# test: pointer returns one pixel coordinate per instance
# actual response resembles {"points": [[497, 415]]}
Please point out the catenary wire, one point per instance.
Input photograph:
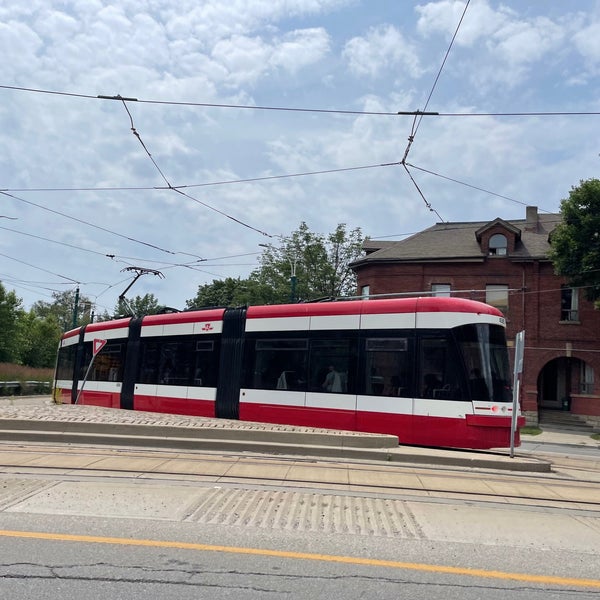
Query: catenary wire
{"points": [[439, 73], [418, 118], [170, 187], [40, 268], [207, 184], [99, 227], [301, 109], [469, 185]]}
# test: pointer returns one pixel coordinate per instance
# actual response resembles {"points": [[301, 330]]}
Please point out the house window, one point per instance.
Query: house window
{"points": [[586, 379], [440, 289], [569, 303], [497, 295], [498, 245], [365, 290]]}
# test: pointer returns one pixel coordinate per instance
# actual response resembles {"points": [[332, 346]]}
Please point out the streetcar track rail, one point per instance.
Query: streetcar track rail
{"points": [[446, 489]]}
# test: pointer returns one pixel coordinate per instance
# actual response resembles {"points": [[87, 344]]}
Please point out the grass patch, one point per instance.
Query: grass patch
{"points": [[14, 378], [595, 436], [530, 430], [12, 372]]}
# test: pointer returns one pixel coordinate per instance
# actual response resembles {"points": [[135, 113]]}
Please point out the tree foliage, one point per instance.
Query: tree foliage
{"points": [[31, 338], [301, 267], [27, 338], [39, 340], [69, 308], [575, 242], [230, 292], [138, 306], [10, 310]]}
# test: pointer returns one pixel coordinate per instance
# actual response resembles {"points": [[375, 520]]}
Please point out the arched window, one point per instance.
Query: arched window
{"points": [[498, 244]]}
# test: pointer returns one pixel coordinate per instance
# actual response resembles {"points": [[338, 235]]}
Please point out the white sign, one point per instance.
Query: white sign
{"points": [[97, 346]]}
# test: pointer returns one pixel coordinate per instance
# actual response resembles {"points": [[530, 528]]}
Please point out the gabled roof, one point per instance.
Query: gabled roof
{"points": [[502, 223], [458, 241]]}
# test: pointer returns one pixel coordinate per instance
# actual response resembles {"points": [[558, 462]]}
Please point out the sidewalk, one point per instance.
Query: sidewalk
{"points": [[38, 419], [555, 435]]}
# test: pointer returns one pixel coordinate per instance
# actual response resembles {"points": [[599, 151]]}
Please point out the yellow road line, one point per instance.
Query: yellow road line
{"points": [[369, 562]]}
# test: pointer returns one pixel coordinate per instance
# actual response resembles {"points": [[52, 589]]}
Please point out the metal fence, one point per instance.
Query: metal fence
{"points": [[24, 388]]}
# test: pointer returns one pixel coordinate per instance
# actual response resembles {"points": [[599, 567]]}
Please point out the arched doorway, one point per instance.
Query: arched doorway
{"points": [[559, 379], [554, 384]]}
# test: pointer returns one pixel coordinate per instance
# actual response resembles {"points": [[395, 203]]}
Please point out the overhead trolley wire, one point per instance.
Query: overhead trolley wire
{"points": [[416, 113], [99, 227], [439, 73], [175, 189], [207, 184], [40, 268], [418, 118]]}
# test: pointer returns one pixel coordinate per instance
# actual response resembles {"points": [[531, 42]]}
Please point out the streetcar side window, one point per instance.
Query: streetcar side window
{"points": [[388, 367], [484, 353], [440, 372], [178, 361], [277, 364], [65, 366], [108, 363], [333, 364], [205, 371]]}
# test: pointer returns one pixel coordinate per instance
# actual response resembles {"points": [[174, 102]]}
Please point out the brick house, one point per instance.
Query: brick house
{"points": [[504, 263]]}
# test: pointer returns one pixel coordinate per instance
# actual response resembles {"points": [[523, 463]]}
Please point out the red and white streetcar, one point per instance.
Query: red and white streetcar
{"points": [[433, 371]]}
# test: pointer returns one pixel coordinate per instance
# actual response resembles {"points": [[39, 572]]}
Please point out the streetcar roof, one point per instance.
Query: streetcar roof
{"points": [[344, 307]]}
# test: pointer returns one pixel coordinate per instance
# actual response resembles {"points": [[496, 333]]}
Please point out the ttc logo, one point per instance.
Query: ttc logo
{"points": [[207, 327]]}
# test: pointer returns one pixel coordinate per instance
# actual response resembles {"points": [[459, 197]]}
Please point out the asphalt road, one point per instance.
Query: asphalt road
{"points": [[225, 530], [141, 559]]}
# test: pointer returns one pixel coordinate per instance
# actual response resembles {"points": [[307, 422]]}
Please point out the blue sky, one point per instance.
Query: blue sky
{"points": [[369, 56]]}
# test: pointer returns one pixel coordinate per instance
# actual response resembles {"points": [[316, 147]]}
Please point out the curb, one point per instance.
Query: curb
{"points": [[256, 441], [201, 434]]}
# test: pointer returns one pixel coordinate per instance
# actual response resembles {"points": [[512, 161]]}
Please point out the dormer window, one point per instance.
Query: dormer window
{"points": [[498, 245]]}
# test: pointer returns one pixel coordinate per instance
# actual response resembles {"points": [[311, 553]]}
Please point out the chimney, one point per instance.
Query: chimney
{"points": [[531, 223]]}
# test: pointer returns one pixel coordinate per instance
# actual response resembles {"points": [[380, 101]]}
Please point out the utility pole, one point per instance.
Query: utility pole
{"points": [[293, 280], [76, 307], [293, 260]]}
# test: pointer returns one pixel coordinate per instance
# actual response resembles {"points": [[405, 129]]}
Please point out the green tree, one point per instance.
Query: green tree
{"points": [[66, 307], [230, 292], [302, 266], [575, 242], [138, 306], [10, 338], [307, 265], [39, 339]]}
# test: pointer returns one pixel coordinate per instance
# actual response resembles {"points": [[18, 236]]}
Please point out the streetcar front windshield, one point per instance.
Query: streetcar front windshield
{"points": [[484, 352]]}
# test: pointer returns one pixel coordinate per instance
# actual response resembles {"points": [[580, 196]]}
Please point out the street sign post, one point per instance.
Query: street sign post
{"points": [[518, 369], [97, 345]]}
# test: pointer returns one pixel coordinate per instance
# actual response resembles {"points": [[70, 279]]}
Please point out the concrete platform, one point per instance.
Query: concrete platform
{"points": [[39, 420]]}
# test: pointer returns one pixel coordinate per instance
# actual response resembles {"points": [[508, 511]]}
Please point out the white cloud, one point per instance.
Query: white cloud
{"points": [[19, 45], [502, 35], [526, 42], [480, 21], [246, 59], [383, 48], [300, 48], [587, 42]]}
